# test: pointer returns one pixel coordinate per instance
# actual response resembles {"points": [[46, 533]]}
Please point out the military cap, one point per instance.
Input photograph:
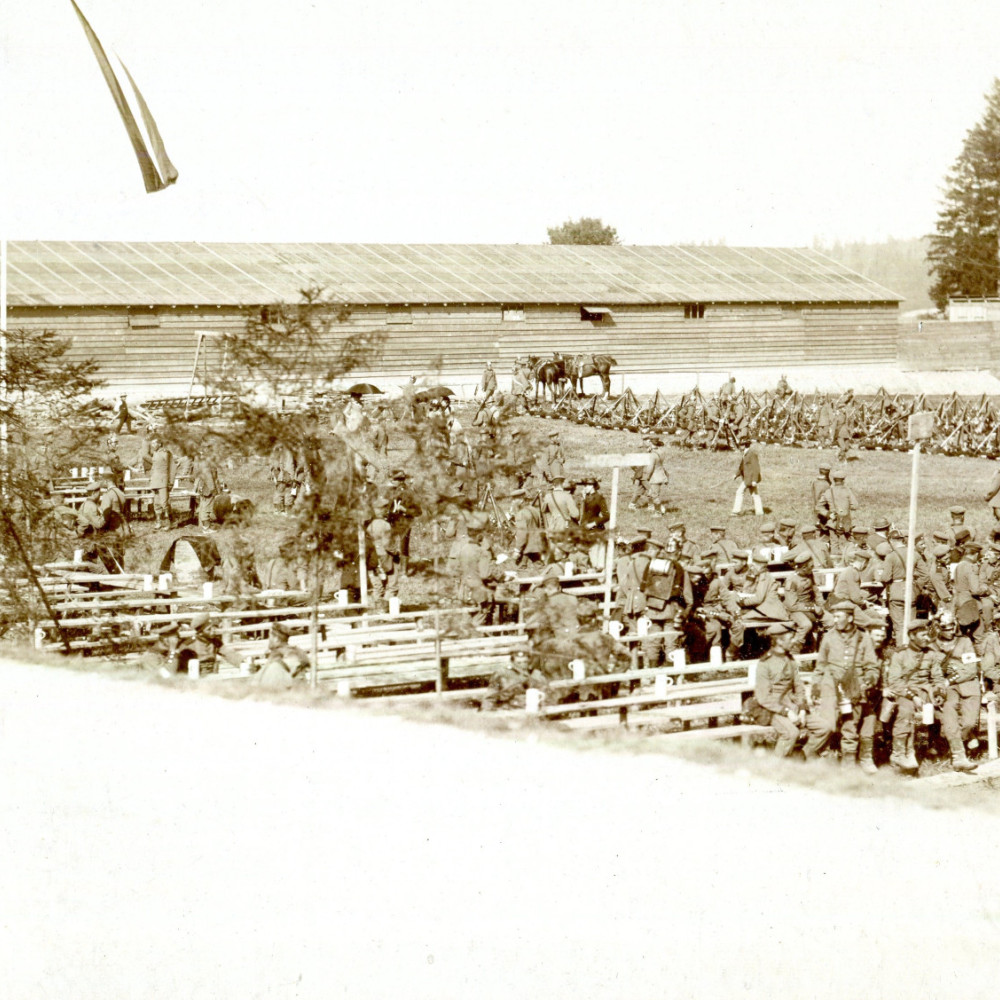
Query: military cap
{"points": [[279, 631], [767, 526], [844, 606], [557, 478], [717, 527], [962, 536], [824, 468], [779, 628], [883, 549], [808, 529], [881, 524], [971, 548], [786, 522], [200, 621], [941, 536], [740, 555], [956, 511], [860, 531], [654, 543], [941, 551], [839, 475], [677, 526], [802, 558], [760, 556], [919, 625], [398, 474]]}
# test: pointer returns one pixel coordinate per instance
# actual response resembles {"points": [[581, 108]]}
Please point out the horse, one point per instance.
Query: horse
{"points": [[548, 374], [582, 366]]}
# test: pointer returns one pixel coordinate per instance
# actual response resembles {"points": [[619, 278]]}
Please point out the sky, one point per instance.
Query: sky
{"points": [[750, 123]]}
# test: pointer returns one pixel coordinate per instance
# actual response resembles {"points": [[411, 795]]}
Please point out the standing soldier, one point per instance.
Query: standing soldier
{"points": [[124, 418], [749, 476], [631, 569], [284, 477], [529, 539], [520, 384], [651, 480], [488, 383], [161, 477], [206, 488], [843, 428], [668, 596], [778, 691], [382, 557], [403, 511], [560, 511], [847, 669], [973, 603], [819, 486], [838, 504], [824, 422], [552, 460], [594, 515]]}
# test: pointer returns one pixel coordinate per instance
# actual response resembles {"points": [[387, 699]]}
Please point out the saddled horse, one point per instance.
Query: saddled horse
{"points": [[582, 366], [548, 374]]}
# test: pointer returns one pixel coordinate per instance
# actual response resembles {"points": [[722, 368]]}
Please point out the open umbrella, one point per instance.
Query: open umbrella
{"points": [[434, 392], [364, 389]]}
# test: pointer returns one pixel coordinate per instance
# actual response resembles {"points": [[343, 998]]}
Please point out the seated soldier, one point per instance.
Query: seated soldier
{"points": [[956, 675], [759, 603], [208, 645], [801, 600], [907, 686], [508, 684], [779, 698]]}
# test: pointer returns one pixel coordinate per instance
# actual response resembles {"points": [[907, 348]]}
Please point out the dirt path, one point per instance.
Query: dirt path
{"points": [[161, 844]]}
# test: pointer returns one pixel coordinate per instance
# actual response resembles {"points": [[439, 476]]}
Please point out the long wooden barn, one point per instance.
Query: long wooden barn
{"points": [[136, 308]]}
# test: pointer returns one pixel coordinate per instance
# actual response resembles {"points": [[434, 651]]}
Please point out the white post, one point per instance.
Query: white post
{"points": [[609, 560], [910, 542]]}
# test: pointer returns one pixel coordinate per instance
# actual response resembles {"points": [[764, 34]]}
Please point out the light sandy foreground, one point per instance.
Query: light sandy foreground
{"points": [[158, 843]]}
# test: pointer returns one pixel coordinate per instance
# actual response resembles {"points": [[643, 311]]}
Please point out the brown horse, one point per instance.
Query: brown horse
{"points": [[548, 374], [582, 366]]}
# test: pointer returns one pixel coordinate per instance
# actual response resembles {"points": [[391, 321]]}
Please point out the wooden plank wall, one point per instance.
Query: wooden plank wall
{"points": [[938, 345], [456, 340]]}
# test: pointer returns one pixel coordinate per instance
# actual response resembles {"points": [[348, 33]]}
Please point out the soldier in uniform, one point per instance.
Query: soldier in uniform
{"points": [[801, 600], [668, 597], [813, 546], [488, 383], [552, 461], [284, 475], [838, 505], [631, 568], [847, 671], [723, 548], [382, 558], [161, 477], [206, 488], [957, 671], [749, 476], [594, 516], [778, 691], [819, 486], [529, 538], [403, 511], [972, 601], [476, 575], [560, 512], [906, 686], [651, 480], [760, 603]]}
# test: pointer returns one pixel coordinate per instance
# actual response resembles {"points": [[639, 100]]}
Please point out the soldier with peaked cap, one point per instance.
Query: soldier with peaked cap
{"points": [[813, 546], [847, 671], [749, 476], [669, 595], [722, 547], [838, 504], [631, 568], [488, 383], [972, 600], [778, 691], [957, 670], [906, 686], [759, 603], [560, 512], [801, 600], [820, 485], [651, 480]]}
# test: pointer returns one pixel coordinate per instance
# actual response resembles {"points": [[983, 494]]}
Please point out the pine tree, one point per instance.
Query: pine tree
{"points": [[963, 255]]}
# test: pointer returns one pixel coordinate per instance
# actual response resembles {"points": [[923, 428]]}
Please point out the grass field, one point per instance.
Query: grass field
{"points": [[700, 493]]}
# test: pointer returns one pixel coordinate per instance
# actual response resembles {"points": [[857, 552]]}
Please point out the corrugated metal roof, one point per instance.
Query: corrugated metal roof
{"points": [[150, 274]]}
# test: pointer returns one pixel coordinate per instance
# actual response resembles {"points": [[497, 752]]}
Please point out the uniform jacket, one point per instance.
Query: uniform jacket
{"points": [[839, 504], [763, 598], [528, 536], [472, 565], [816, 548], [848, 588], [956, 661], [630, 571], [842, 653], [560, 509], [800, 593], [777, 686], [206, 482], [907, 670], [161, 473], [595, 512], [749, 470], [968, 586]]}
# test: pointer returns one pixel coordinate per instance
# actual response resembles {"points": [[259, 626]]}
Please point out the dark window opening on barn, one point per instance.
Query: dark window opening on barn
{"points": [[595, 314], [694, 310], [143, 320]]}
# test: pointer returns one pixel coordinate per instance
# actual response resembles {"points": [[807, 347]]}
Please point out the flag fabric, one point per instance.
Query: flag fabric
{"points": [[157, 170]]}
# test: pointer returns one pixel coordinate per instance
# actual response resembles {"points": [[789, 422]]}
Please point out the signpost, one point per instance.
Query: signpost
{"points": [[920, 427], [616, 463]]}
